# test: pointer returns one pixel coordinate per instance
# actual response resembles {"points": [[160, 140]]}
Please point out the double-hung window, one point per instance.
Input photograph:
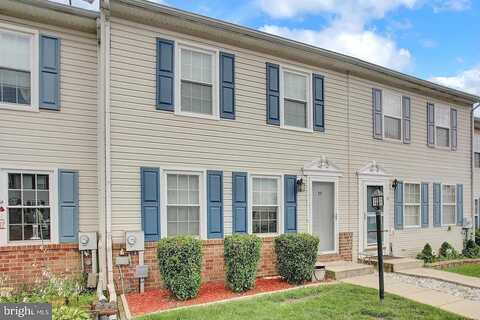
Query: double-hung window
{"points": [[449, 204], [392, 115], [183, 204], [412, 204], [29, 206], [265, 204], [18, 72], [198, 82], [442, 126], [476, 159], [296, 105]]}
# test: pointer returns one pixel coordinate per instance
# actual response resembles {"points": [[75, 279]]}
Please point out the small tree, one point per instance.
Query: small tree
{"points": [[427, 254], [471, 250], [447, 251]]}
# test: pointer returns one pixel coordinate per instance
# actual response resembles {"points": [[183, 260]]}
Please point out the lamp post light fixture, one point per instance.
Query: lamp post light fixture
{"points": [[377, 204]]}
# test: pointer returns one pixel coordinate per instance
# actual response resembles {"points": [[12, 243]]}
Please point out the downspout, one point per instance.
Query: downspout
{"points": [[105, 17], [472, 169]]}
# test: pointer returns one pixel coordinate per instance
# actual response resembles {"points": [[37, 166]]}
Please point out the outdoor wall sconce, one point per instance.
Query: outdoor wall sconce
{"points": [[395, 184], [300, 185]]}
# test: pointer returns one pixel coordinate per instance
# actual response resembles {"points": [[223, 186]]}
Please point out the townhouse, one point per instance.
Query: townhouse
{"points": [[156, 120]]}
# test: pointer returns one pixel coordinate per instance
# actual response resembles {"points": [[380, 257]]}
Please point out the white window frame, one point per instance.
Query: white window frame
{"points": [[405, 204], [384, 92], [53, 178], [280, 222], [449, 128], [202, 183], [34, 65], [215, 54], [454, 204], [309, 113]]}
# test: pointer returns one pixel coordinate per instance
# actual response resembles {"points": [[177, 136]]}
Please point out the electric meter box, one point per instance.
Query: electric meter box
{"points": [[134, 241], [87, 241]]}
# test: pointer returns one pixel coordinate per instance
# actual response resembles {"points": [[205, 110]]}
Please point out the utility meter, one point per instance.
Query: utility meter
{"points": [[134, 241]]}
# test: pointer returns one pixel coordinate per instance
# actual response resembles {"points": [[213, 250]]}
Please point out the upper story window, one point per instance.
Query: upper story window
{"points": [[265, 205], [392, 116], [449, 204], [29, 206], [442, 126], [412, 204], [196, 89], [296, 108]]}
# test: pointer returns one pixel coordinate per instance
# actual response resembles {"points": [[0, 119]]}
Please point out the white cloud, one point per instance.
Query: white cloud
{"points": [[365, 45], [428, 43], [451, 5], [467, 80]]}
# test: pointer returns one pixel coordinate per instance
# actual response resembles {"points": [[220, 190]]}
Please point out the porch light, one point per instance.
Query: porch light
{"points": [[377, 199]]}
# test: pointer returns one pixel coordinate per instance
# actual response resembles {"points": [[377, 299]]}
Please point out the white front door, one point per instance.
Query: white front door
{"points": [[323, 215]]}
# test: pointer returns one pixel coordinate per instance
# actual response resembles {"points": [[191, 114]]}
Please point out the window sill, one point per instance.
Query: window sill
{"points": [[29, 243], [18, 107], [197, 115], [391, 140], [266, 235], [307, 130], [412, 227]]}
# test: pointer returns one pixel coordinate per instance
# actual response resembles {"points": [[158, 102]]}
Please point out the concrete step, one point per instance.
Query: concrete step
{"points": [[345, 269], [392, 264]]}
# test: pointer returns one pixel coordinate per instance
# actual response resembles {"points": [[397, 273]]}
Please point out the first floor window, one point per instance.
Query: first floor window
{"points": [[196, 88], [265, 205], [183, 204], [476, 214], [448, 204], [412, 204], [28, 206], [477, 160], [295, 99], [15, 67], [392, 118]]}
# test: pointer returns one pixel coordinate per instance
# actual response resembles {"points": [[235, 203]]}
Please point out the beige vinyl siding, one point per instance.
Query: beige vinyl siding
{"points": [[143, 136], [64, 139], [476, 171]]}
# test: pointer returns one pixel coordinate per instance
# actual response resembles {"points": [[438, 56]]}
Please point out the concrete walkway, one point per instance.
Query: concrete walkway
{"points": [[458, 305], [451, 277]]}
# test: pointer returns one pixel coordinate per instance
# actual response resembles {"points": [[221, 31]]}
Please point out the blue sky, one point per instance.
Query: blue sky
{"points": [[437, 40]]}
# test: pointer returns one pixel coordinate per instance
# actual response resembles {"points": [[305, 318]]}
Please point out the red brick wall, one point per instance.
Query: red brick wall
{"points": [[21, 265], [213, 264]]}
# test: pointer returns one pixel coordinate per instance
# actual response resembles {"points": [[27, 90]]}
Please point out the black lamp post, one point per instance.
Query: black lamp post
{"points": [[377, 204]]}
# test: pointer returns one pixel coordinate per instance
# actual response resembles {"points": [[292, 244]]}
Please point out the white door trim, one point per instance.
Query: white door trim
{"points": [[331, 179]]}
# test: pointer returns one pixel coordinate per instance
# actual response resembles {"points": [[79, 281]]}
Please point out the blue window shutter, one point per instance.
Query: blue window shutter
{"points": [[214, 204], [227, 85], [290, 204], [398, 206], [273, 94], [430, 124], [49, 85], [437, 203], [165, 74], [459, 204], [424, 203], [239, 202], [377, 113], [453, 129], [406, 119], [150, 202], [318, 103], [68, 205]]}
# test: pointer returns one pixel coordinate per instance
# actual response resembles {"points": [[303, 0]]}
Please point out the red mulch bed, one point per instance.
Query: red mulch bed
{"points": [[160, 299]]}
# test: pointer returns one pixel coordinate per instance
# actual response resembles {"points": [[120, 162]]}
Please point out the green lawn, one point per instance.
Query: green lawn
{"points": [[472, 270], [338, 301]]}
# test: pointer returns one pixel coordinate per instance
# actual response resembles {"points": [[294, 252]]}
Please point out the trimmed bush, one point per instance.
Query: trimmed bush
{"points": [[477, 237], [426, 254], [447, 251], [296, 256], [180, 264], [471, 250], [242, 254]]}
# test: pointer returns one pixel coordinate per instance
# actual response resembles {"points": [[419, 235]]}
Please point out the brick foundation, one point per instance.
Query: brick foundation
{"points": [[213, 264], [24, 265]]}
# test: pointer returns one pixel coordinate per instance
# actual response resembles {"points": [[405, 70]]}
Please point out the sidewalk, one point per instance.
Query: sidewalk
{"points": [[451, 277], [458, 305]]}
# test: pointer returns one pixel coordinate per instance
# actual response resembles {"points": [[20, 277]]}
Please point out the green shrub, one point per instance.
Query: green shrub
{"points": [[471, 250], [242, 254], [427, 254], [447, 251], [296, 256], [69, 313], [180, 264], [477, 237]]}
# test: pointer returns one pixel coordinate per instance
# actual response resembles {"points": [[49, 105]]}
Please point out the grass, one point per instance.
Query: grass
{"points": [[472, 270], [338, 301]]}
